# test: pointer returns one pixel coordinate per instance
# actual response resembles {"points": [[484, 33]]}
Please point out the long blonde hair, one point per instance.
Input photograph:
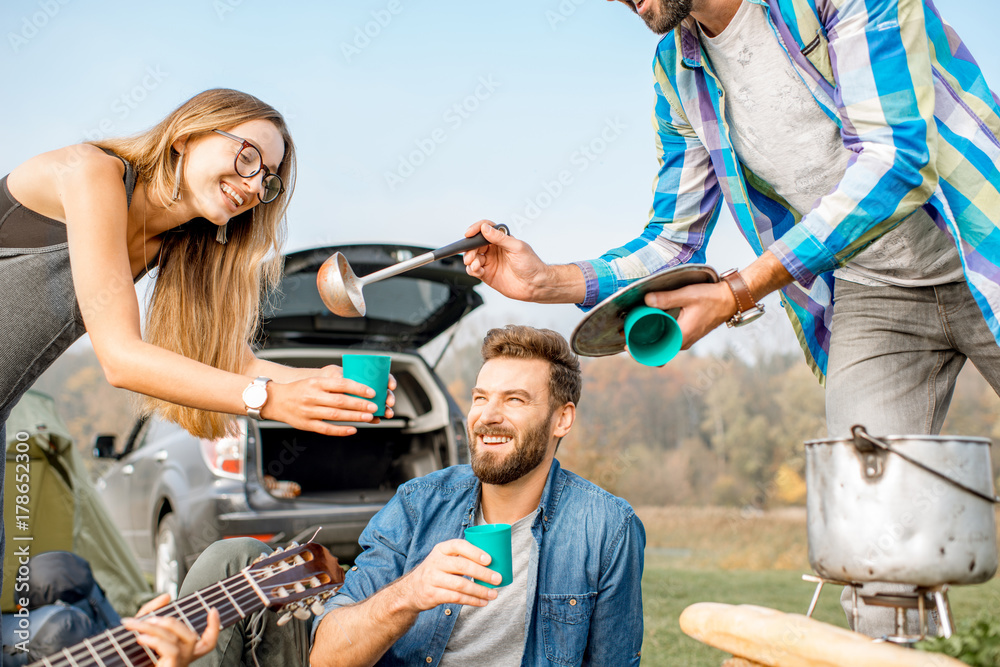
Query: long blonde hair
{"points": [[207, 297]]}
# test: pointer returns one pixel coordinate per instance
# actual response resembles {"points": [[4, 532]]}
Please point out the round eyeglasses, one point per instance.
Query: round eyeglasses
{"points": [[249, 163]]}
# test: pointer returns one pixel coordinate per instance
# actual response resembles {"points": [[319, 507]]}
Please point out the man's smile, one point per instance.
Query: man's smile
{"points": [[494, 440]]}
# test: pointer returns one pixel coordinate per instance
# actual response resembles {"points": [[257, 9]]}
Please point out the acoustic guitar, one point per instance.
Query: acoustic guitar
{"points": [[297, 579]]}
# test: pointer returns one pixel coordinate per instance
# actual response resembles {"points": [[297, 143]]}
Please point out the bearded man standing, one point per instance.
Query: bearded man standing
{"points": [[576, 596], [856, 145]]}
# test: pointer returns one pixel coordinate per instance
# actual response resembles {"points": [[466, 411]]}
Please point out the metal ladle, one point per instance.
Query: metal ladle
{"points": [[340, 289]]}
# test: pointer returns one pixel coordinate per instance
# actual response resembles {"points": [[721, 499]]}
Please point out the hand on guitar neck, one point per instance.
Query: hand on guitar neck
{"points": [[174, 643], [296, 580]]}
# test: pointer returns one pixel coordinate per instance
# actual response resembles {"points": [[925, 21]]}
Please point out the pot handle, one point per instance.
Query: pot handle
{"points": [[862, 436]]}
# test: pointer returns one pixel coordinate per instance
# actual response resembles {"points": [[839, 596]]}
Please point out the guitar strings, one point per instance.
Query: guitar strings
{"points": [[129, 638], [192, 608], [104, 645]]}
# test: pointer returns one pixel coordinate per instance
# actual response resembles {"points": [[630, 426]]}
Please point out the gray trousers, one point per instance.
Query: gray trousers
{"points": [[258, 640], [895, 354], [39, 319]]}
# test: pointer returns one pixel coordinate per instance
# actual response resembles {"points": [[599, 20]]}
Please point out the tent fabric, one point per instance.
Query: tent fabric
{"points": [[64, 512], [66, 605]]}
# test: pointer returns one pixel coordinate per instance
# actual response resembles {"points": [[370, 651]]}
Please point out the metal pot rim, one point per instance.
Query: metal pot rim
{"points": [[971, 440]]}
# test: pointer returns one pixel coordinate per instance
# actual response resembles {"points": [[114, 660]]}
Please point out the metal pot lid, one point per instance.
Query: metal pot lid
{"points": [[601, 331], [872, 449]]}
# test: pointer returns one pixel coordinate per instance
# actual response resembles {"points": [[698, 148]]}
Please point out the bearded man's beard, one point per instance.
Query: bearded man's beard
{"points": [[665, 15], [528, 453]]}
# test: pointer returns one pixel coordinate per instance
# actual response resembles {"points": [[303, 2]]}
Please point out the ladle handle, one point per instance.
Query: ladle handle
{"points": [[477, 241]]}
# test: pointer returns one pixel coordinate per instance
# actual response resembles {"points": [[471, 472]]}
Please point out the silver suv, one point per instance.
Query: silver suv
{"points": [[172, 494]]}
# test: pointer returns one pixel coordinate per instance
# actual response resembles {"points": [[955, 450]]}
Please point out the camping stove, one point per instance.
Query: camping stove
{"points": [[929, 601]]}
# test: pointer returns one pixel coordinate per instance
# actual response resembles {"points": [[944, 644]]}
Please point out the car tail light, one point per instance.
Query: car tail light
{"points": [[260, 537], [226, 456]]}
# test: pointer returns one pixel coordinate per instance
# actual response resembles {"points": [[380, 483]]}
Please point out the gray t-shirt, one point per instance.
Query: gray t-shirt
{"points": [[781, 134], [494, 635]]}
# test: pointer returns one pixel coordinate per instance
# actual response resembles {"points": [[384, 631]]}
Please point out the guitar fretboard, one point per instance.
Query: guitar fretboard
{"points": [[234, 598]]}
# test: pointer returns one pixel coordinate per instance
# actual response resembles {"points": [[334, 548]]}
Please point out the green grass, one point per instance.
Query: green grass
{"points": [[712, 554], [668, 590]]}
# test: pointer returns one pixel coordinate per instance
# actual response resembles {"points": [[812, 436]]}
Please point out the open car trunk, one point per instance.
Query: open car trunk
{"points": [[368, 466]]}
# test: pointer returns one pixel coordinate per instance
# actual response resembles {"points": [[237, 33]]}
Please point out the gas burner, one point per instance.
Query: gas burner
{"points": [[931, 600]]}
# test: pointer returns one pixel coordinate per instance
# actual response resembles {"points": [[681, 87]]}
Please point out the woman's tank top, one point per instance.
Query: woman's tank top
{"points": [[39, 313], [20, 227]]}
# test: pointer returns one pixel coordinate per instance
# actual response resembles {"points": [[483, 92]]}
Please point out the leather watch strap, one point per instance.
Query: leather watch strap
{"points": [[744, 299]]}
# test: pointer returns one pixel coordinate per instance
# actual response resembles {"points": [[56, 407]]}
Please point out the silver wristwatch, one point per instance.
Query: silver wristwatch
{"points": [[255, 396]]}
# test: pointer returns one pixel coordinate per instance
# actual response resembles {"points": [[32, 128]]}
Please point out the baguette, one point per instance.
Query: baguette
{"points": [[777, 639]]}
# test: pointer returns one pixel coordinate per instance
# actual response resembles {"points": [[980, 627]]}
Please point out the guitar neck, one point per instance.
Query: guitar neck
{"points": [[234, 598]]}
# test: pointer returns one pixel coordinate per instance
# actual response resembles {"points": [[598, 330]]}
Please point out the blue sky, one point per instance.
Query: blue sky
{"points": [[411, 119]]}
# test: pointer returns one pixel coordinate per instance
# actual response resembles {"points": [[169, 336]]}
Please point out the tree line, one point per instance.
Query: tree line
{"points": [[717, 429], [710, 430]]}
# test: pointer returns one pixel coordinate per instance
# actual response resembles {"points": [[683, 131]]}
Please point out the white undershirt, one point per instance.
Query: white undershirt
{"points": [[781, 134], [494, 635]]}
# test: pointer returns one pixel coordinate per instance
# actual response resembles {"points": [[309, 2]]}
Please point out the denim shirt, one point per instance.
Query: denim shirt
{"points": [[584, 586]]}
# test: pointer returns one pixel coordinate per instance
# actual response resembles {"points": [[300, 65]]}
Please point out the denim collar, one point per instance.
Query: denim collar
{"points": [[554, 485]]}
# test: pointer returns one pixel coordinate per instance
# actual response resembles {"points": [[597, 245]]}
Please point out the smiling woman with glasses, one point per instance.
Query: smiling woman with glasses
{"points": [[249, 163], [202, 198]]}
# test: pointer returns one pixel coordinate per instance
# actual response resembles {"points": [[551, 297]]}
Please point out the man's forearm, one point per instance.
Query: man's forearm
{"points": [[765, 275], [359, 634], [562, 283]]}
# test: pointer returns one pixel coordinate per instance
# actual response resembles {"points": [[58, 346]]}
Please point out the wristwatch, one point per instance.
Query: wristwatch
{"points": [[747, 310], [255, 396]]}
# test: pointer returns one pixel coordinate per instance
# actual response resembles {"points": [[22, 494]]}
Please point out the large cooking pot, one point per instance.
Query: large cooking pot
{"points": [[904, 509]]}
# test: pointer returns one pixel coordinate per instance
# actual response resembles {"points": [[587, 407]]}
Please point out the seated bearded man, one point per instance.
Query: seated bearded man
{"points": [[411, 598]]}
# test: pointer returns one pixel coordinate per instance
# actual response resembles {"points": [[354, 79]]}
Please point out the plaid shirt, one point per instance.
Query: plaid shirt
{"points": [[912, 106]]}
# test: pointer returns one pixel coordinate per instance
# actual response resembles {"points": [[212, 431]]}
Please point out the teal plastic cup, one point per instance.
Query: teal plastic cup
{"points": [[371, 370], [653, 337], [494, 539]]}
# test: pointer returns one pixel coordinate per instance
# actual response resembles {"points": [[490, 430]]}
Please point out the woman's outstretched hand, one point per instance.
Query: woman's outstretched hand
{"points": [[311, 404]]}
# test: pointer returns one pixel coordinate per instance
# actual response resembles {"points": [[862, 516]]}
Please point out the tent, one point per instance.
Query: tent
{"points": [[50, 504]]}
